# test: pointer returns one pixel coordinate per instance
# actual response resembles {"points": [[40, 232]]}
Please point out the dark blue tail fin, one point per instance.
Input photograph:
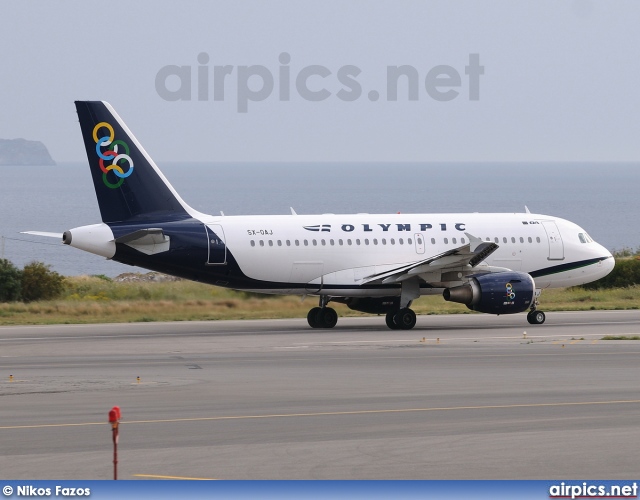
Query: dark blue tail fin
{"points": [[128, 184]]}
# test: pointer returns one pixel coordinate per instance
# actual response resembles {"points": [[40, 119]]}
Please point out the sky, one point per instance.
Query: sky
{"points": [[310, 80]]}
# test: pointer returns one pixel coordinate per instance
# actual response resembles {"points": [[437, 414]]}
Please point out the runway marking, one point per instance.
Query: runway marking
{"points": [[154, 476], [333, 413]]}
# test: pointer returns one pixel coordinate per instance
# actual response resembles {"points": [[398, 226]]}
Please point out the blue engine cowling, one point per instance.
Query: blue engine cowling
{"points": [[495, 293]]}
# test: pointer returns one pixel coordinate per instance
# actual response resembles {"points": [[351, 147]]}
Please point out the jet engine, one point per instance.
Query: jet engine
{"points": [[495, 293]]}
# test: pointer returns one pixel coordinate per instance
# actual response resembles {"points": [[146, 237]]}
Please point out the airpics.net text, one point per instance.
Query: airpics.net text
{"points": [[314, 83]]}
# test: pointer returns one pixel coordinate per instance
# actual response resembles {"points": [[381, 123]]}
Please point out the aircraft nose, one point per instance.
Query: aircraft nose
{"points": [[606, 265]]}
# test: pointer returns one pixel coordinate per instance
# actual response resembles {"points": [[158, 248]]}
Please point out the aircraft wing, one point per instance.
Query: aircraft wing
{"points": [[470, 254]]}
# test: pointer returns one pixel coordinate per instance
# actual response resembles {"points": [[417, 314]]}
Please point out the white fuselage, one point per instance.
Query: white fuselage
{"points": [[334, 253]]}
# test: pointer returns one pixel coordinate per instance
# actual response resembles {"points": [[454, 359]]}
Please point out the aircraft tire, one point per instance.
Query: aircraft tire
{"points": [[313, 317], [536, 317], [405, 319], [327, 317], [391, 322]]}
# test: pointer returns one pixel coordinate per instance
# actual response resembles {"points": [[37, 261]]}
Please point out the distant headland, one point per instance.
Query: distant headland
{"points": [[23, 152]]}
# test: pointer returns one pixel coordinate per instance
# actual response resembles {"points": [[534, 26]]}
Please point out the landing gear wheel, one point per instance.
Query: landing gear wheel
{"points": [[327, 317], [405, 319], [313, 317], [536, 317], [322, 317], [391, 322]]}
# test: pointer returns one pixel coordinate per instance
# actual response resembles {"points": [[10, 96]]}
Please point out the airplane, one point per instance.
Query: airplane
{"points": [[495, 263]]}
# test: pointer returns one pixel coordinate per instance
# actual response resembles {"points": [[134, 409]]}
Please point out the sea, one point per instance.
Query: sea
{"points": [[603, 198]]}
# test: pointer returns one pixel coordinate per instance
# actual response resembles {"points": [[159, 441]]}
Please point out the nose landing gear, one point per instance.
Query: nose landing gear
{"points": [[534, 316]]}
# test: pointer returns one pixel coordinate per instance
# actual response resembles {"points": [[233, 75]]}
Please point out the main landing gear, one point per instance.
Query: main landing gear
{"points": [[534, 316], [323, 316], [404, 319]]}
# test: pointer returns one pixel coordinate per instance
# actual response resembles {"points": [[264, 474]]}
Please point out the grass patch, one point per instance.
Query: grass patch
{"points": [[621, 337]]}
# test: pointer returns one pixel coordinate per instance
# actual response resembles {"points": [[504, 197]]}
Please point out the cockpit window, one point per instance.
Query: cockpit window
{"points": [[584, 238]]}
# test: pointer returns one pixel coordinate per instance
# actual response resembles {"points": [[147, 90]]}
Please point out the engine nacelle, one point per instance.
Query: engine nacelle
{"points": [[495, 293]]}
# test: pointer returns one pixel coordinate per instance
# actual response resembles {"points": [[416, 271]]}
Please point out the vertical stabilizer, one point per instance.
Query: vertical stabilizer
{"points": [[128, 184]]}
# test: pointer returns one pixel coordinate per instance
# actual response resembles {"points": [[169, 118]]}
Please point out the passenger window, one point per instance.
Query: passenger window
{"points": [[323, 242], [496, 240], [446, 241], [288, 243], [349, 242], [261, 243], [504, 239], [279, 243], [270, 243], [400, 241], [538, 239], [462, 241], [306, 243], [409, 242], [419, 240], [433, 241], [521, 239], [297, 243], [315, 243], [340, 242], [357, 241], [530, 240], [253, 243], [392, 241], [331, 242], [513, 240], [454, 241], [375, 241], [366, 241], [384, 241]]}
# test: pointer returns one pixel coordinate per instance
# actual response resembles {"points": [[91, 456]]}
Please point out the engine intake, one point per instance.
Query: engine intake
{"points": [[495, 293]]}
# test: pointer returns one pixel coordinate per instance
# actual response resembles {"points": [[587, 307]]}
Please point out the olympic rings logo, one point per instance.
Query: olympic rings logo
{"points": [[112, 153], [510, 293]]}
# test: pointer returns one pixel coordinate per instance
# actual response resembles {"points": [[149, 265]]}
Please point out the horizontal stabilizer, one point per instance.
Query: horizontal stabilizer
{"points": [[43, 233], [148, 241]]}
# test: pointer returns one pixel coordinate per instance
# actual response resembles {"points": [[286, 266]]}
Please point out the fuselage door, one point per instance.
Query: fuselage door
{"points": [[556, 246], [419, 243], [217, 245]]}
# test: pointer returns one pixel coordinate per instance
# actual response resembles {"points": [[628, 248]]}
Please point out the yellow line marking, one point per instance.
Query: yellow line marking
{"points": [[595, 341], [575, 341], [153, 476], [333, 413]]}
